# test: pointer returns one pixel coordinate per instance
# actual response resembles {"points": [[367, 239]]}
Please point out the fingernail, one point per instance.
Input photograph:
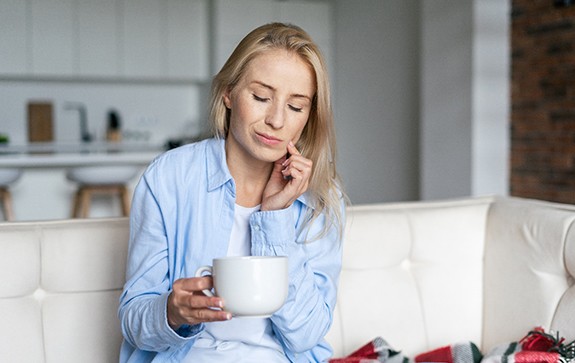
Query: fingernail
{"points": [[228, 316], [291, 143]]}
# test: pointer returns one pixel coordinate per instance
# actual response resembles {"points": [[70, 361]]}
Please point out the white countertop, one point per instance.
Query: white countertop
{"points": [[56, 155]]}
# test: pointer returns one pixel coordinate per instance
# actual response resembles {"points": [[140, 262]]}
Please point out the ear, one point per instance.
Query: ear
{"points": [[227, 99]]}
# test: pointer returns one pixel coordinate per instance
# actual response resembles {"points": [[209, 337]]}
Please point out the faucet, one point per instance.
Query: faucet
{"points": [[81, 108]]}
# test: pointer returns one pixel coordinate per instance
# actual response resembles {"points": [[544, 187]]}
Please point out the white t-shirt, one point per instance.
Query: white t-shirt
{"points": [[239, 340]]}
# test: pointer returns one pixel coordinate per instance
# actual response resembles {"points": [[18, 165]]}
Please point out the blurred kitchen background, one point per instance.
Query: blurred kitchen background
{"points": [[421, 88]]}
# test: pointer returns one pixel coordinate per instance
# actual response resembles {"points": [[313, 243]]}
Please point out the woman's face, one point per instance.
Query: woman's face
{"points": [[270, 105]]}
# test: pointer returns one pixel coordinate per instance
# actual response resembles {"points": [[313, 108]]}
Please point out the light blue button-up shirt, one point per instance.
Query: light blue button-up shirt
{"points": [[181, 218]]}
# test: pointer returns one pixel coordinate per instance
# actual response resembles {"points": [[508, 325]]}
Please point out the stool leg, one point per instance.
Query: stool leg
{"points": [[2, 192], [7, 204], [125, 200], [85, 195], [76, 205]]}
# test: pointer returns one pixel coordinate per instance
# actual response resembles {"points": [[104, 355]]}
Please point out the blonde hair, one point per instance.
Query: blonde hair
{"points": [[317, 141]]}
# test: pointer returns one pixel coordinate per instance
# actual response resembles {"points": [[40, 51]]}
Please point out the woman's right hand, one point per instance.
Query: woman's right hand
{"points": [[187, 304]]}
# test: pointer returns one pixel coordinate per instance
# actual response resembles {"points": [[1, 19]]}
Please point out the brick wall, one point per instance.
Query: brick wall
{"points": [[543, 100]]}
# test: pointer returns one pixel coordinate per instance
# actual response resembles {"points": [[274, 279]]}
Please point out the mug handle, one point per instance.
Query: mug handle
{"points": [[200, 273]]}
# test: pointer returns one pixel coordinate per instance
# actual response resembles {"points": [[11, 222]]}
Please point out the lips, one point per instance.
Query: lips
{"points": [[268, 139]]}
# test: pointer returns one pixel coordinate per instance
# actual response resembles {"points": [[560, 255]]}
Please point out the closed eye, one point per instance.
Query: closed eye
{"points": [[259, 99], [296, 109]]}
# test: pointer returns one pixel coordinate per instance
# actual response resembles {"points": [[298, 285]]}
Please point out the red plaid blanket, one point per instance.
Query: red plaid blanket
{"points": [[536, 347]]}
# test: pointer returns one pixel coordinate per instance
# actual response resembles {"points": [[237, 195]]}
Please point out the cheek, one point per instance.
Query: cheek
{"points": [[238, 115], [301, 124], [245, 111]]}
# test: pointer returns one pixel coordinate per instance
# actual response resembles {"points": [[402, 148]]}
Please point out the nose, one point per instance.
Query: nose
{"points": [[275, 116]]}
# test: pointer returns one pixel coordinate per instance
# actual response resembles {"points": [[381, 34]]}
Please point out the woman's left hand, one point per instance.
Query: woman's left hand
{"points": [[289, 179]]}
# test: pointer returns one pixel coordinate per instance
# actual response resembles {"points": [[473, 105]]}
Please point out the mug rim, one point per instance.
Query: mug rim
{"points": [[249, 258]]}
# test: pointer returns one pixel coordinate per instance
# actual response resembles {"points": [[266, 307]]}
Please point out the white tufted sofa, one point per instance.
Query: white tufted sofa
{"points": [[428, 274], [420, 275]]}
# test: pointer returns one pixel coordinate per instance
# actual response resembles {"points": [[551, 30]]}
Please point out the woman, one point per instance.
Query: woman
{"points": [[266, 184]]}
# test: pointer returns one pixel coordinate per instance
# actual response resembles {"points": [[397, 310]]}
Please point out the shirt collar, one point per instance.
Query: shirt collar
{"points": [[217, 167]]}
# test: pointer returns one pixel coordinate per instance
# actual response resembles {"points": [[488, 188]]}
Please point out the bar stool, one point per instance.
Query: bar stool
{"points": [[107, 180], [7, 177]]}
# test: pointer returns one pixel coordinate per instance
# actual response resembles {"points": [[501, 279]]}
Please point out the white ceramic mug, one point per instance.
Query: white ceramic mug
{"points": [[251, 286]]}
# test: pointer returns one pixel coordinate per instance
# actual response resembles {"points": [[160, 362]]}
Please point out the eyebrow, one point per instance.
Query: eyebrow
{"points": [[265, 85]]}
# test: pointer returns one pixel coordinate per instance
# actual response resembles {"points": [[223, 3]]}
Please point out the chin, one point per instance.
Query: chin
{"points": [[271, 156]]}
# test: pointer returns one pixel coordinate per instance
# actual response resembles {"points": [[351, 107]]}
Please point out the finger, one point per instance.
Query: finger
{"points": [[197, 301], [300, 163], [195, 308], [205, 315], [300, 168], [294, 176], [185, 301], [195, 316], [296, 186], [192, 284], [189, 293], [292, 149]]}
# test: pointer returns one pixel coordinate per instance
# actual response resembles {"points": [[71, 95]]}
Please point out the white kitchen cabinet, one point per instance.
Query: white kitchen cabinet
{"points": [[233, 19], [13, 37], [98, 38], [187, 39], [109, 39], [53, 33], [142, 35], [316, 18], [165, 39]]}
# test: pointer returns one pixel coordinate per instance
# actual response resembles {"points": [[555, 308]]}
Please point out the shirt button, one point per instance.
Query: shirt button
{"points": [[224, 346], [257, 227]]}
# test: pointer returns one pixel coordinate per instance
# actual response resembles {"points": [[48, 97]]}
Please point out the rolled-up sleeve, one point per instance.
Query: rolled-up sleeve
{"points": [[314, 268], [142, 311]]}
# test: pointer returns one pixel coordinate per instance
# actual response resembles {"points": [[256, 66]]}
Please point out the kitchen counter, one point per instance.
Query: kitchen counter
{"points": [[54, 155], [44, 192]]}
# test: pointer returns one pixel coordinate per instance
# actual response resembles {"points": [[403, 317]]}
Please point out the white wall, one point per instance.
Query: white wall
{"points": [[446, 98], [491, 97], [421, 97], [376, 98], [464, 98]]}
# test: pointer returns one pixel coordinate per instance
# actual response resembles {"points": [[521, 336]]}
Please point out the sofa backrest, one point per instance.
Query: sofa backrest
{"points": [[427, 274], [61, 281], [419, 274], [412, 274], [529, 270]]}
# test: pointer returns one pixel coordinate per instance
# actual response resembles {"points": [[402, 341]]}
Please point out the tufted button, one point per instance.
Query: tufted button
{"points": [[405, 264], [39, 294]]}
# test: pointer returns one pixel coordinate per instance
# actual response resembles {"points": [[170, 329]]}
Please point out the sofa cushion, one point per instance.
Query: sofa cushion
{"points": [[85, 323], [19, 262], [84, 258], [564, 318], [528, 270], [21, 330], [412, 273], [61, 296]]}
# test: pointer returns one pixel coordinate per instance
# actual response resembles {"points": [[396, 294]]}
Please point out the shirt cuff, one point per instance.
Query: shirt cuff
{"points": [[272, 231], [184, 333]]}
